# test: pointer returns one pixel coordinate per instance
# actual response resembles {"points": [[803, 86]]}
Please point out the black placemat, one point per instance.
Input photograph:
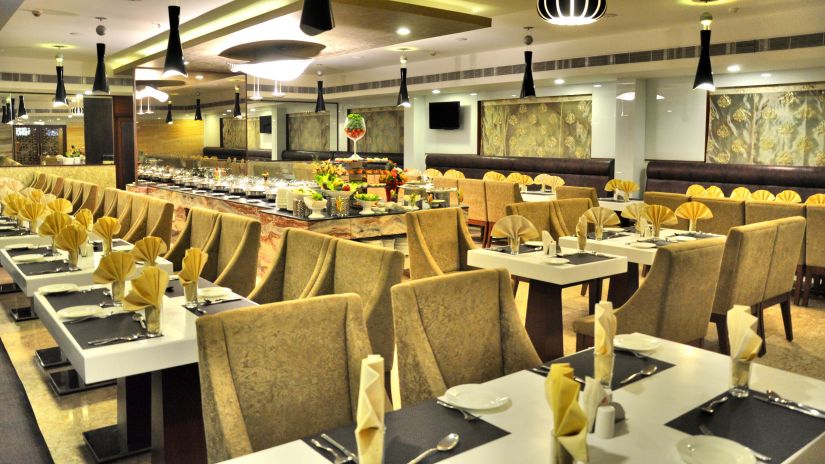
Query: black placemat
{"points": [[585, 258], [697, 235], [624, 365], [43, 251], [119, 325], [414, 429], [36, 268], [769, 429], [218, 308], [607, 235], [14, 233], [521, 249], [60, 301]]}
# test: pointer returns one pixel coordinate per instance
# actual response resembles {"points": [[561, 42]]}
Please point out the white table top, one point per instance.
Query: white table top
{"points": [[622, 246], [533, 266], [538, 196], [698, 375], [617, 206]]}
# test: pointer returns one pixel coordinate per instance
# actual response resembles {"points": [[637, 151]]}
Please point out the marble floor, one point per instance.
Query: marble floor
{"points": [[63, 419]]}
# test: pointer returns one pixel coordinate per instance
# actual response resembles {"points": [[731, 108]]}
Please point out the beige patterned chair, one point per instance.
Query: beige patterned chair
{"points": [[303, 268], [499, 195], [566, 192], [260, 369], [537, 212], [200, 224], [814, 248], [727, 213], [744, 273], [475, 197], [90, 196], [40, 181], [445, 182], [56, 186], [760, 211], [438, 242], [672, 201], [457, 329], [150, 217], [675, 300], [123, 212], [107, 205], [233, 253]]}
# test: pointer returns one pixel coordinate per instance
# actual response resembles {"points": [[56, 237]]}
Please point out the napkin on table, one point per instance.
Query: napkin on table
{"points": [[592, 397], [744, 341], [658, 216], [633, 211], [12, 203], [514, 226], [53, 224], [604, 331], [569, 421], [60, 205], [581, 233], [693, 211], [601, 217], [548, 245], [695, 190], [32, 211], [84, 217], [148, 289], [148, 249], [35, 195], [369, 429], [48, 198], [193, 262], [762, 195], [106, 228], [116, 267], [554, 182], [816, 199], [788, 196], [71, 238], [544, 180]]}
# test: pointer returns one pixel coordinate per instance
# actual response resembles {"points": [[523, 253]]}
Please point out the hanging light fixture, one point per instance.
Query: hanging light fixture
{"points": [[319, 101], [60, 91], [256, 89], [316, 17], [528, 86], [403, 94], [101, 85], [21, 108], [169, 112], [571, 12], [236, 111], [276, 90], [13, 114], [198, 115], [140, 107], [174, 65], [704, 72]]}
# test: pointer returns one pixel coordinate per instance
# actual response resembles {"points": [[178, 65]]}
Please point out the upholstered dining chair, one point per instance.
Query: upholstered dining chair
{"points": [[475, 197], [259, 372], [107, 206], [123, 212], [672, 201], [499, 194], [89, 196], [198, 229], [68, 189], [56, 187], [40, 181], [150, 216], [566, 192], [743, 274], [559, 217], [233, 253], [814, 248], [457, 329], [727, 213], [674, 302], [438, 242], [302, 268], [768, 210], [445, 182]]}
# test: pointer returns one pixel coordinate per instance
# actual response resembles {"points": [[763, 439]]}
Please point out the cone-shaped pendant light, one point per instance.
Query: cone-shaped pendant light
{"points": [[319, 102], [403, 94], [21, 109], [236, 111], [13, 112], [316, 17], [9, 113], [174, 64], [198, 115], [5, 118], [60, 89], [169, 112], [704, 72], [101, 85], [528, 87]]}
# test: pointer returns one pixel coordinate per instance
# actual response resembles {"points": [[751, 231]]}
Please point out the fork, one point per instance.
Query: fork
{"points": [[335, 455], [467, 415]]}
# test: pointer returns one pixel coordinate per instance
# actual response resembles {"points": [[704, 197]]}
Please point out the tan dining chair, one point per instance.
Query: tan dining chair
{"points": [[672, 201], [150, 217], [233, 253], [743, 275], [302, 268], [726, 212], [566, 192], [457, 329], [445, 182], [68, 189], [499, 194], [89, 196], [40, 181], [123, 212], [814, 249], [768, 210], [438, 242], [107, 206], [198, 229], [259, 372], [674, 302], [475, 197]]}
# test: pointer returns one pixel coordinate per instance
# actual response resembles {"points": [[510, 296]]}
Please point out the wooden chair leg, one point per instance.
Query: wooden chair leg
{"points": [[758, 311], [808, 282], [786, 318], [722, 331], [584, 289], [516, 281], [645, 270], [797, 287]]}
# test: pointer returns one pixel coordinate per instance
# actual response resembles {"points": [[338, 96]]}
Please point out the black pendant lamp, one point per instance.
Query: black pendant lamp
{"points": [[236, 111], [198, 115], [5, 118], [403, 94], [316, 17], [174, 64], [101, 85], [704, 72], [319, 102], [528, 86], [21, 109], [9, 113], [169, 112], [13, 114], [60, 91], [571, 12]]}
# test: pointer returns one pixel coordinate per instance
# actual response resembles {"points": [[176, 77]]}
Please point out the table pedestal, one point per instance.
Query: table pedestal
{"points": [[68, 381], [623, 286], [49, 358], [22, 314], [132, 434], [177, 417]]}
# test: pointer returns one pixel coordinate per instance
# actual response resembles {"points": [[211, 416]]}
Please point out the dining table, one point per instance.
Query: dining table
{"points": [[11, 236], [660, 411], [548, 278]]}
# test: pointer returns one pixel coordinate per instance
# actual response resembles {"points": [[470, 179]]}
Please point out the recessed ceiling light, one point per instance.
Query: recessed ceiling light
{"points": [[199, 77], [766, 74], [403, 31], [473, 94], [559, 81], [734, 68], [669, 111], [627, 96], [436, 91], [597, 86], [229, 110]]}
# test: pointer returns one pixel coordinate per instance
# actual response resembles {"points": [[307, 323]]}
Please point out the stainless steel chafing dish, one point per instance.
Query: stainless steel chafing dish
{"points": [[237, 189], [271, 195], [204, 184], [255, 191], [220, 187]]}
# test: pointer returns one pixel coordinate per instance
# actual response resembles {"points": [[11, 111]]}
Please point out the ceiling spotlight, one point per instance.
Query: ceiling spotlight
{"points": [[597, 86], [571, 12], [626, 96], [436, 91], [403, 31], [473, 94], [559, 81], [734, 68]]}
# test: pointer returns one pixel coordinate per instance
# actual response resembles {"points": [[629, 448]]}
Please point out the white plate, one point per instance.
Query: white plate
{"points": [[701, 449], [613, 229], [474, 396], [682, 238], [636, 342], [76, 312], [32, 258], [7, 227], [57, 288], [643, 245], [122, 248], [21, 246], [557, 261], [213, 292], [534, 243]]}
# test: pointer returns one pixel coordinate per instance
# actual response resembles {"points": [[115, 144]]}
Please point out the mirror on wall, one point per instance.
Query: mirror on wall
{"points": [[276, 125]]}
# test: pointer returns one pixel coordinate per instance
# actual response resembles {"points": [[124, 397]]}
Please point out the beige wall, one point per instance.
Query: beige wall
{"points": [[103, 175], [184, 137], [75, 136]]}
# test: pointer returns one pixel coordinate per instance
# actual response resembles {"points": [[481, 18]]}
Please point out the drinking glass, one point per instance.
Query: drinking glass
{"points": [[740, 373], [190, 294], [118, 291], [515, 244], [152, 320]]}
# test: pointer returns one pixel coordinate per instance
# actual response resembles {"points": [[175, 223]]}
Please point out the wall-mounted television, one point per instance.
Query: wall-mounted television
{"points": [[266, 124], [445, 115]]}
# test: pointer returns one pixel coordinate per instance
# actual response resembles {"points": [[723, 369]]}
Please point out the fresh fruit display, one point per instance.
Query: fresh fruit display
{"points": [[355, 128]]}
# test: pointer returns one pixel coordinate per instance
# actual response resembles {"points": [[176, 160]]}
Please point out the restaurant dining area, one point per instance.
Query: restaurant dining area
{"points": [[412, 231]]}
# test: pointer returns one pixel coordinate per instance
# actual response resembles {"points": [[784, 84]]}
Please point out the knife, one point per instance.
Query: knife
{"points": [[792, 407], [340, 447], [219, 301]]}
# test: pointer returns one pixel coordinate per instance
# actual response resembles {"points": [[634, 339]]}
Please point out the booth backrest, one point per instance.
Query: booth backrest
{"points": [[583, 173], [224, 153]]}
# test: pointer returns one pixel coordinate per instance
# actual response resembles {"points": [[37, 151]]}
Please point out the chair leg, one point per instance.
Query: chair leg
{"points": [[758, 311], [722, 331], [583, 342], [645, 270], [786, 318], [516, 281], [797, 287], [807, 284], [584, 288]]}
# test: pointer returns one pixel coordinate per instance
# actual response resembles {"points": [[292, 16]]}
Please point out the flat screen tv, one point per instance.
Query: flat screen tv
{"points": [[266, 124], [445, 115]]}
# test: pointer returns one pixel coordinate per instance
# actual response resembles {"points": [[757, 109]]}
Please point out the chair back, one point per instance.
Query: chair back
{"points": [[672, 201], [566, 192], [475, 197], [790, 238], [745, 263], [198, 229], [57, 186], [159, 217], [438, 241], [124, 212], [40, 181], [727, 213], [236, 253], [499, 195], [815, 229], [760, 211], [457, 329], [108, 206], [537, 212], [565, 214], [90, 196], [445, 182], [259, 371]]}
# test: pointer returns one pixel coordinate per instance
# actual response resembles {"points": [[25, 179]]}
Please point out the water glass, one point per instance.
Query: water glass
{"points": [[118, 292], [515, 244], [152, 320], [740, 373], [190, 294]]}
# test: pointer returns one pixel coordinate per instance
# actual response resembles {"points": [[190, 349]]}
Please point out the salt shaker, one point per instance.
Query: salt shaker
{"points": [[605, 421]]}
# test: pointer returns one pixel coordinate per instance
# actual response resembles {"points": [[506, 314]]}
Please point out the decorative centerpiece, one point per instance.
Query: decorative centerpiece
{"points": [[392, 177], [355, 129], [367, 201], [317, 203]]}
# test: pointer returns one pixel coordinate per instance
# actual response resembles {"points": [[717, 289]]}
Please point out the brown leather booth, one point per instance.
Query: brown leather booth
{"points": [[677, 176], [594, 172]]}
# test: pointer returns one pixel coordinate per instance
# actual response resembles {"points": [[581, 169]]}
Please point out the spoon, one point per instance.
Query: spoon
{"points": [[710, 408], [647, 371], [138, 317], [446, 444]]}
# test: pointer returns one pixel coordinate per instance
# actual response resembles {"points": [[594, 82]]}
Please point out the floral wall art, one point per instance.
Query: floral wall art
{"points": [[777, 125], [549, 127], [385, 130], [307, 131]]}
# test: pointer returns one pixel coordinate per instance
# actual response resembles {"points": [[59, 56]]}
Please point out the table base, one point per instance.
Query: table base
{"points": [[22, 314], [9, 288], [67, 381], [106, 445], [49, 358], [177, 416], [132, 433]]}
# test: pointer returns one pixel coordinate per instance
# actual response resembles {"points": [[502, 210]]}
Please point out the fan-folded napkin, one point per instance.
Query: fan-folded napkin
{"points": [[193, 262], [693, 211], [148, 249], [788, 196], [106, 228], [695, 190], [60, 205], [71, 238], [32, 211], [36, 195], [740, 193], [115, 267], [744, 341], [147, 290], [601, 217], [762, 195], [53, 224], [658, 216], [633, 211], [569, 420], [369, 429], [84, 217], [514, 226], [12, 204], [816, 199]]}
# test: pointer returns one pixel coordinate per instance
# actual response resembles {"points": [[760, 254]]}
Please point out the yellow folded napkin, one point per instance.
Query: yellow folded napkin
{"points": [[714, 192], [569, 421], [71, 238], [193, 262], [32, 212], [633, 211], [744, 341], [493, 175], [35, 195], [601, 217], [519, 178], [514, 226], [454, 174], [544, 180], [148, 249], [12, 204], [740, 193], [48, 198], [622, 187], [369, 428], [695, 190], [118, 266], [148, 289], [84, 217], [611, 185], [581, 233], [548, 245], [106, 228], [816, 199], [53, 224], [604, 331], [693, 211], [658, 216], [554, 182], [788, 196], [762, 195], [60, 205], [433, 173]]}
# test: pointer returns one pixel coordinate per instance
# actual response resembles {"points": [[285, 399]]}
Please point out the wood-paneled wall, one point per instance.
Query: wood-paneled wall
{"points": [[75, 136], [184, 137]]}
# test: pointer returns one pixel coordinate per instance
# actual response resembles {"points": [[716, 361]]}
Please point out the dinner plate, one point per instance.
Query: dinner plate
{"points": [[32, 258], [557, 261], [682, 238], [613, 229], [702, 449], [57, 288], [213, 292], [21, 246], [643, 245], [534, 243], [636, 342], [76, 312], [122, 248], [474, 396]]}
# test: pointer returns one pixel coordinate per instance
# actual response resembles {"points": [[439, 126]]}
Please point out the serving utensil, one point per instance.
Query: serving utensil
{"points": [[351, 457], [467, 415], [645, 372], [445, 444], [759, 456]]}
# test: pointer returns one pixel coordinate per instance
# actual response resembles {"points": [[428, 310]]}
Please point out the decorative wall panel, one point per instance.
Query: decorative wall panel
{"points": [[385, 130], [778, 125], [308, 131], [550, 127], [233, 133], [184, 137]]}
